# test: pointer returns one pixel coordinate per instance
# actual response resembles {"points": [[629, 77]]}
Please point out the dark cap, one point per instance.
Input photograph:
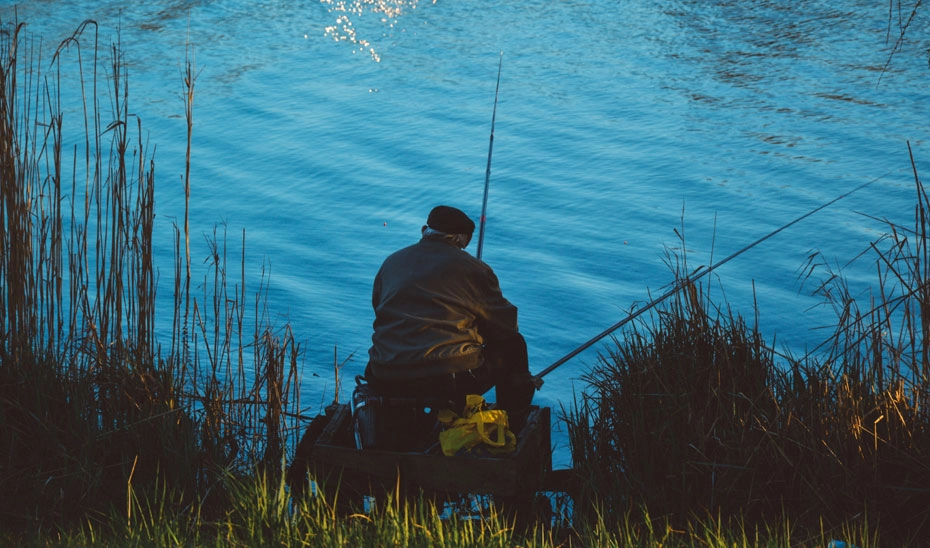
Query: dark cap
{"points": [[450, 220]]}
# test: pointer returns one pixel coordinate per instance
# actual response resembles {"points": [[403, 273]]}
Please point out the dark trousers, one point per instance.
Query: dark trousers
{"points": [[506, 367]]}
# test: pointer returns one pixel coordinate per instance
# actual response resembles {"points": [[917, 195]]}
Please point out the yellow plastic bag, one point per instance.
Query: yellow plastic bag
{"points": [[478, 426]]}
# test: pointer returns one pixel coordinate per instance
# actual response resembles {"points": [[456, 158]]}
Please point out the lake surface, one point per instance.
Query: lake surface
{"points": [[327, 130]]}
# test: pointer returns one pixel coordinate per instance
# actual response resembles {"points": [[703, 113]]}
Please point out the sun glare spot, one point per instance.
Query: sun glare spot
{"points": [[387, 12]]}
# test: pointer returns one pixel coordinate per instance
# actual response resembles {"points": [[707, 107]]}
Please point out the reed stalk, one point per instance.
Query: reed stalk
{"points": [[91, 408], [693, 415]]}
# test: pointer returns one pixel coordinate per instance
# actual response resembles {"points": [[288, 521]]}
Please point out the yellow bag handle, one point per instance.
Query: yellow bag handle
{"points": [[479, 419], [475, 427]]}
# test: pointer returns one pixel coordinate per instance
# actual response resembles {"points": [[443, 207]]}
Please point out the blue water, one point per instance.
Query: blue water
{"points": [[327, 130]]}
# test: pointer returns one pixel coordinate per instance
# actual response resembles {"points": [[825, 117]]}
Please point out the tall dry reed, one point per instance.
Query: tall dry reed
{"points": [[692, 415], [91, 406]]}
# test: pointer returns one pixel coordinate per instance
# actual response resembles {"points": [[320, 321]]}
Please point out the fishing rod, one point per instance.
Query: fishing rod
{"points": [[487, 173], [688, 280]]}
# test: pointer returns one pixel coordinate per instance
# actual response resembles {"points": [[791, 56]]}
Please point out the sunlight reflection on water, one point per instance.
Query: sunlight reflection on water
{"points": [[349, 13]]}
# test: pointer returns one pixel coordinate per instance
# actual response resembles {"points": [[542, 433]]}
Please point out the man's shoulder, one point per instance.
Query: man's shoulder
{"points": [[412, 248], [468, 263], [443, 251]]}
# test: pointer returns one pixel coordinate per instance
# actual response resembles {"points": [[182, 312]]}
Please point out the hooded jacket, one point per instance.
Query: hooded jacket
{"points": [[435, 307]]}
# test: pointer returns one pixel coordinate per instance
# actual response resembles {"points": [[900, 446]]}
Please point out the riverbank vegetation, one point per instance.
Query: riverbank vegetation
{"points": [[123, 427], [693, 416], [92, 404]]}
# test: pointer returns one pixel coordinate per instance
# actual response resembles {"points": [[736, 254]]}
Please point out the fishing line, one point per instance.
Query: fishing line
{"points": [[487, 173], [698, 274]]}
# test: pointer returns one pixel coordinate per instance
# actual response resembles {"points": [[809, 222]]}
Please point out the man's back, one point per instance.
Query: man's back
{"points": [[434, 306], [442, 327]]}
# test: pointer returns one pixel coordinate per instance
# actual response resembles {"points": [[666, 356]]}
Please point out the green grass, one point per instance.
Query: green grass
{"points": [[261, 513]]}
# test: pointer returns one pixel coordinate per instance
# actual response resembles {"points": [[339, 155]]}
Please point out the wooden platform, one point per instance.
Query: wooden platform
{"points": [[327, 451]]}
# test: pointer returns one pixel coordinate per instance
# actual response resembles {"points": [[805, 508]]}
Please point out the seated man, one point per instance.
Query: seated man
{"points": [[442, 327]]}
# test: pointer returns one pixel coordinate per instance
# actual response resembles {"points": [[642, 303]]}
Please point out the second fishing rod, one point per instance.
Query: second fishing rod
{"points": [[685, 282]]}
